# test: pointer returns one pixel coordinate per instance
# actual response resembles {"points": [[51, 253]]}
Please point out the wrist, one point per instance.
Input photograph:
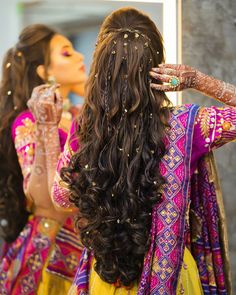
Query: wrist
{"points": [[42, 127], [43, 123], [199, 76]]}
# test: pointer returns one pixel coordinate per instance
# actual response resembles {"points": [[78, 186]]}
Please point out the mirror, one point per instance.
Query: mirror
{"points": [[80, 21]]}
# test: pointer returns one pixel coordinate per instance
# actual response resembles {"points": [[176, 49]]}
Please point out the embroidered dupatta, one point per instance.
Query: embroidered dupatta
{"points": [[209, 241], [164, 259]]}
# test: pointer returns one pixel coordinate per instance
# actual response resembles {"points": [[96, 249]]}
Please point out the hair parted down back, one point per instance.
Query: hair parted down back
{"points": [[114, 177], [19, 77]]}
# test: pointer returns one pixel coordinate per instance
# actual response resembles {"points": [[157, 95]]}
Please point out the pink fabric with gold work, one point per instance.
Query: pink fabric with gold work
{"points": [[42, 239], [60, 190]]}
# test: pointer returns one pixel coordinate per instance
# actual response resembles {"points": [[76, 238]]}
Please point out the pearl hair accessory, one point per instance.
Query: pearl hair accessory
{"points": [[3, 222]]}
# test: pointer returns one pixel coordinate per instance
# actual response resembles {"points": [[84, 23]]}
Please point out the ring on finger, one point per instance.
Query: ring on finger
{"points": [[174, 82]]}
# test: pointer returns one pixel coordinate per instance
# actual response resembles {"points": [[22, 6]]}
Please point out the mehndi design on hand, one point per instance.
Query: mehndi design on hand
{"points": [[185, 75], [46, 104], [188, 77]]}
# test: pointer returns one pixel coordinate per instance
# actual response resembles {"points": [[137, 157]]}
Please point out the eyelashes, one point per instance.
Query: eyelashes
{"points": [[66, 53]]}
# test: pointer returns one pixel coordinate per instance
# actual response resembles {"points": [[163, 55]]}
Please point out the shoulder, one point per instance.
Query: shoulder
{"points": [[186, 112], [183, 109], [23, 118]]}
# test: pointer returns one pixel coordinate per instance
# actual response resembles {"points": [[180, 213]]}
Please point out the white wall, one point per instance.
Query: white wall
{"points": [[10, 24]]}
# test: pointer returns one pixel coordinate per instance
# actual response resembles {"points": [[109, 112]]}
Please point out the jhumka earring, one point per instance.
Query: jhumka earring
{"points": [[51, 80]]}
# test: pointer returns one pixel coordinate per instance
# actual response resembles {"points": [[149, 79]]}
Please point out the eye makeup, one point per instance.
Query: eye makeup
{"points": [[66, 52]]}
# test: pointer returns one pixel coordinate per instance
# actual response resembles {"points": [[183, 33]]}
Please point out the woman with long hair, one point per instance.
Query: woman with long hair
{"points": [[140, 170], [41, 248]]}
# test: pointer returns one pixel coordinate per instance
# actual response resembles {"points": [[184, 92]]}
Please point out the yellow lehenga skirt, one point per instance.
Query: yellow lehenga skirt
{"points": [[189, 281], [52, 284]]}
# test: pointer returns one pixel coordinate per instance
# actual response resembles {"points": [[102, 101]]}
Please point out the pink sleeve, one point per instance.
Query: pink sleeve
{"points": [[23, 135], [213, 128], [60, 190]]}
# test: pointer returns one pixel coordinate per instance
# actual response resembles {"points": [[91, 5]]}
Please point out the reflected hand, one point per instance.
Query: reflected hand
{"points": [[46, 104], [175, 77]]}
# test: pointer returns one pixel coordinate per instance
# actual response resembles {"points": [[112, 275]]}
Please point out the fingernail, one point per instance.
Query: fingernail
{"points": [[160, 65], [154, 69], [154, 75]]}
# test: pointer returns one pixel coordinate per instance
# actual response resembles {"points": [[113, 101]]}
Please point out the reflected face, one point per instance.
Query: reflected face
{"points": [[66, 64]]}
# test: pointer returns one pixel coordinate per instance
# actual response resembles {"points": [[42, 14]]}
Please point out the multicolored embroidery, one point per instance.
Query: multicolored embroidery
{"points": [[215, 123], [60, 188], [24, 133], [170, 218], [27, 255], [25, 145], [65, 257], [167, 241], [207, 247], [24, 260]]}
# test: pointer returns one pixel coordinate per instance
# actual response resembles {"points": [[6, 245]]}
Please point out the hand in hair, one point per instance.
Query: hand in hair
{"points": [[180, 77], [46, 104], [176, 77]]}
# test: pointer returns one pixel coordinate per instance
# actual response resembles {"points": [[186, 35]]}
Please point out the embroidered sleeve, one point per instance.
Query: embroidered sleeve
{"points": [[213, 128], [60, 189], [23, 134]]}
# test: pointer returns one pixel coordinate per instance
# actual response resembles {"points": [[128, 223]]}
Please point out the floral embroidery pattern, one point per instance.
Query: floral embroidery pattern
{"points": [[216, 125]]}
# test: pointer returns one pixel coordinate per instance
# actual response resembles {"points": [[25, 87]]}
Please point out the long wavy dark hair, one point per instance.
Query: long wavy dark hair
{"points": [[19, 77], [114, 177]]}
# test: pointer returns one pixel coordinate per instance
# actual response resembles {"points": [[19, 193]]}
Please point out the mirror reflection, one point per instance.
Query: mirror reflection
{"points": [[108, 181]]}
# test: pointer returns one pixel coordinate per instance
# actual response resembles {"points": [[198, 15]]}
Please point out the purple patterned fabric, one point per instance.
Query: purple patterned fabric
{"points": [[164, 259], [194, 132], [206, 244], [21, 267]]}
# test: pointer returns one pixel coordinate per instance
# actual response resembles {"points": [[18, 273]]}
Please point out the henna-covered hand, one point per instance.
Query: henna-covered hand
{"points": [[46, 104], [185, 76]]}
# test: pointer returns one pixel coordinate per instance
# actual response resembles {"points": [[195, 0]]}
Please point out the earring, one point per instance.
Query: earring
{"points": [[51, 80]]}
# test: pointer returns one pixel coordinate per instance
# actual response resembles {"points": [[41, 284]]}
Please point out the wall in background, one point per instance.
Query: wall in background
{"points": [[10, 24], [209, 44]]}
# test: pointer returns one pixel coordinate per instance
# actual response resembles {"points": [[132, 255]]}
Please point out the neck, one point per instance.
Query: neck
{"points": [[64, 91]]}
